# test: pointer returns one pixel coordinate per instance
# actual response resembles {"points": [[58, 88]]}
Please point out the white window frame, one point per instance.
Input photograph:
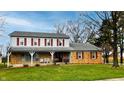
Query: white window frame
{"points": [[60, 41], [21, 41], [94, 55], [35, 43], [35, 40], [79, 54], [48, 41]]}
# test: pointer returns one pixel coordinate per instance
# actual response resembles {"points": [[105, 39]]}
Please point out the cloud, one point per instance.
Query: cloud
{"points": [[18, 21]]}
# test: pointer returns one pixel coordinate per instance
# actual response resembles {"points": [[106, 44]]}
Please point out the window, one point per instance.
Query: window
{"points": [[21, 43], [48, 42], [26, 58], [59, 42], [80, 55], [31, 41], [36, 57], [93, 55], [35, 43]]}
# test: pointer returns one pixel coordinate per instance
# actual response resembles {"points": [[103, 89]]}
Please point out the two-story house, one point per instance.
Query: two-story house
{"points": [[46, 48]]}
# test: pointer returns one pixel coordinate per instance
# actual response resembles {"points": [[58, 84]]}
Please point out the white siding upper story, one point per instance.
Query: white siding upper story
{"points": [[13, 42]]}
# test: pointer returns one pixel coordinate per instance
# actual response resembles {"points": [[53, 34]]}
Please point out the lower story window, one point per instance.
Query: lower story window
{"points": [[79, 55], [93, 55]]}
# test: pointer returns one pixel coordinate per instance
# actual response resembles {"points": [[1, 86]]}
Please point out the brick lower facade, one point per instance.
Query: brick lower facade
{"points": [[16, 58], [86, 58]]}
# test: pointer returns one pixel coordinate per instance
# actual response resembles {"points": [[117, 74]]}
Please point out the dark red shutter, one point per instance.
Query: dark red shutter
{"points": [[57, 41], [82, 54], [17, 41], [51, 42], [63, 42], [25, 41], [31, 41], [45, 41], [39, 42]]}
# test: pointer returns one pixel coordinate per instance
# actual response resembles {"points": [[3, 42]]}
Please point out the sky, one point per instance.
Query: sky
{"points": [[36, 21]]}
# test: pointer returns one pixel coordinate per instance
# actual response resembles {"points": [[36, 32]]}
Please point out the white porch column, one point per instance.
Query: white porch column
{"points": [[32, 54], [8, 55], [52, 56]]}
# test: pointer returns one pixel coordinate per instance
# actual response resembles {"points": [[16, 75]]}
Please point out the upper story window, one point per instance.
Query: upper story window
{"points": [[48, 42], [21, 43], [60, 42], [93, 55], [35, 43]]}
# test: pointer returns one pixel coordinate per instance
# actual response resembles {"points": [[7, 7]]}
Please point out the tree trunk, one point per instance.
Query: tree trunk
{"points": [[121, 55], [115, 49], [106, 58]]}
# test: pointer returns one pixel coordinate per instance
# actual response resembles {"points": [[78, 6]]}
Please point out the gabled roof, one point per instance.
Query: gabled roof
{"points": [[38, 34], [84, 47]]}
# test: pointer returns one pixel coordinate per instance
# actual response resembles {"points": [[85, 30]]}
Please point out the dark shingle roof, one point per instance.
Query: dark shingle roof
{"points": [[84, 47], [38, 34]]}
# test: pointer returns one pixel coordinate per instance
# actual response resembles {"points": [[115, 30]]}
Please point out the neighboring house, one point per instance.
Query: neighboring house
{"points": [[46, 48]]}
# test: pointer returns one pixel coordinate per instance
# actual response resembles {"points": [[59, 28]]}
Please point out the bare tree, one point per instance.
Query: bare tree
{"points": [[60, 28], [2, 24], [76, 31]]}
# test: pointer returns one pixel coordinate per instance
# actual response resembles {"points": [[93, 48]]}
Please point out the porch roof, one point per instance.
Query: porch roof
{"points": [[73, 47], [41, 49], [84, 47]]}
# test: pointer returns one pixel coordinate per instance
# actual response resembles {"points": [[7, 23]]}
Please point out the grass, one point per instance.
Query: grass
{"points": [[65, 73]]}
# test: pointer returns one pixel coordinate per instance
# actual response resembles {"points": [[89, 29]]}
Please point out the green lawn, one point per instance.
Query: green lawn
{"points": [[64, 72]]}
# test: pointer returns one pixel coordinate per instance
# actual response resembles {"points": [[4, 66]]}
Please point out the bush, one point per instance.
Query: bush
{"points": [[4, 60], [37, 65], [25, 65]]}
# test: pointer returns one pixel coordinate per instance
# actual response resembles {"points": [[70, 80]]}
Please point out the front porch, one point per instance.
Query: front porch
{"points": [[33, 58]]}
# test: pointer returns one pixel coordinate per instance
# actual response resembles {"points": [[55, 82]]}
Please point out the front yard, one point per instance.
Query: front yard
{"points": [[64, 72]]}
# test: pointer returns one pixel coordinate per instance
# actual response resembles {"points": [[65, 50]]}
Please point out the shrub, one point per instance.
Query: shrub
{"points": [[37, 65], [25, 65]]}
